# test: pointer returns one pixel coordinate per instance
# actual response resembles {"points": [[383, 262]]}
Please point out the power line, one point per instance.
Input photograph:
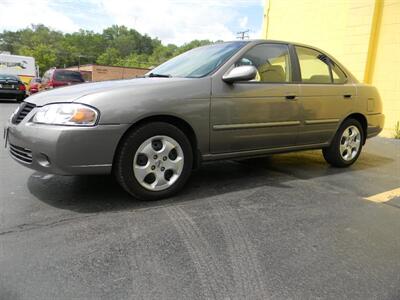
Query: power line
{"points": [[243, 34]]}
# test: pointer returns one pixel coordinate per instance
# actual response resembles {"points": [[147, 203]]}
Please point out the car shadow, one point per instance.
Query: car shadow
{"points": [[93, 194]]}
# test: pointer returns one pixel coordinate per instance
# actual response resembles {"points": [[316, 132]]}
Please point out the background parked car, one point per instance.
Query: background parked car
{"points": [[11, 87], [59, 77], [34, 85]]}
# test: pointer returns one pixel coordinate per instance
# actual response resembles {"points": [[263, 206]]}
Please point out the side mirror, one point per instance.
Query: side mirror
{"points": [[242, 73]]}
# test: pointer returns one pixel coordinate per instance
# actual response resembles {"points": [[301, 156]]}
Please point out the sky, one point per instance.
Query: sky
{"points": [[172, 21]]}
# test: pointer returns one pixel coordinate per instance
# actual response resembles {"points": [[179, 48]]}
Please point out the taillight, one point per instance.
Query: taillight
{"points": [[22, 87]]}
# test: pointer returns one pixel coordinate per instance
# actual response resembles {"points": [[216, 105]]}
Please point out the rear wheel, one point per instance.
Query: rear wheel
{"points": [[154, 161], [346, 145]]}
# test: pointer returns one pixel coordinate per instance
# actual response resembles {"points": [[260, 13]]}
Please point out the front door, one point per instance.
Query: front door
{"points": [[258, 114]]}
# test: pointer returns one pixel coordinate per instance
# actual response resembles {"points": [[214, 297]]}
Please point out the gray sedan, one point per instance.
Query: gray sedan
{"points": [[229, 100]]}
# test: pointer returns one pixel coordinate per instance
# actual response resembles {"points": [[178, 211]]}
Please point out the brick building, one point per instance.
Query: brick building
{"points": [[93, 72]]}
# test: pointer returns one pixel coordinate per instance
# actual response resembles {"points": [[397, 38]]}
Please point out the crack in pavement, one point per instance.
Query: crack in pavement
{"points": [[27, 227]]}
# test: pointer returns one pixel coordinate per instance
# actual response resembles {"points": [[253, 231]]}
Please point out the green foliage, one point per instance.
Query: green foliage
{"points": [[397, 130], [45, 56], [116, 45], [110, 57]]}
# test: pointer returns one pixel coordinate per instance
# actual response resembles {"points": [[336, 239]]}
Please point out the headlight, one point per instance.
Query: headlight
{"points": [[66, 114]]}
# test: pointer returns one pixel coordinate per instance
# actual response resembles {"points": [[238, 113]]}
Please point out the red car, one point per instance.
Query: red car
{"points": [[34, 85], [59, 77]]}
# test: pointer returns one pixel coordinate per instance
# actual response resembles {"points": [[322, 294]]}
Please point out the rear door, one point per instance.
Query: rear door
{"points": [[325, 96], [258, 114]]}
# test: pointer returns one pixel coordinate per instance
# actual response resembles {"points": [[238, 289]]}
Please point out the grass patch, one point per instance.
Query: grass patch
{"points": [[397, 130]]}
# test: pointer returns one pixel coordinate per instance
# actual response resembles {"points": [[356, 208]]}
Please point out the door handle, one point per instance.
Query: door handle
{"points": [[347, 96], [291, 97]]}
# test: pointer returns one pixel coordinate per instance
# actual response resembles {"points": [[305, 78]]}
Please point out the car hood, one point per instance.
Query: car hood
{"points": [[75, 92]]}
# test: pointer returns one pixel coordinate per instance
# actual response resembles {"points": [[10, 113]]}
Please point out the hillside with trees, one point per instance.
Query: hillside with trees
{"points": [[116, 45]]}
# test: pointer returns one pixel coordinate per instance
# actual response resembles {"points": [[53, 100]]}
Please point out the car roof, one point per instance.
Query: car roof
{"points": [[260, 41]]}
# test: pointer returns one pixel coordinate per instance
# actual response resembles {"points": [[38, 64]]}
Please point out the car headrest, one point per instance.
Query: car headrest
{"points": [[319, 79], [272, 73]]}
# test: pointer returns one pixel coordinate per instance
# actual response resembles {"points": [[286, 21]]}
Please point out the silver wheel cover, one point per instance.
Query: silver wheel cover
{"points": [[160, 170], [350, 143]]}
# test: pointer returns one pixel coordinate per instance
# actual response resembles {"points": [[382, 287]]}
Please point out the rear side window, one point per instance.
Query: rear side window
{"points": [[272, 62], [338, 75], [68, 76], [316, 67]]}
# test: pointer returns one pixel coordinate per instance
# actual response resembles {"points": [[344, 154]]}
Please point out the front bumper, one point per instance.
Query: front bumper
{"points": [[64, 150]]}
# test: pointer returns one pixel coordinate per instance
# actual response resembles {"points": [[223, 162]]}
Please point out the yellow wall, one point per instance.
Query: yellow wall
{"points": [[386, 73], [345, 29]]}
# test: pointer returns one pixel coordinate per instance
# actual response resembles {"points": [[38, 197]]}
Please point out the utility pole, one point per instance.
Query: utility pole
{"points": [[79, 59], [243, 34]]}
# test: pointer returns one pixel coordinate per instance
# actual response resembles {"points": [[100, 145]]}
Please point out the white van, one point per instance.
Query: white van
{"points": [[23, 66]]}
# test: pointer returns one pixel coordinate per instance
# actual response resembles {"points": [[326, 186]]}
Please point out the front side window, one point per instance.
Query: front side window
{"points": [[272, 62], [316, 67]]}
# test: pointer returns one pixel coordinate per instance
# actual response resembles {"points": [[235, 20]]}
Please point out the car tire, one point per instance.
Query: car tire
{"points": [[346, 146], [149, 172]]}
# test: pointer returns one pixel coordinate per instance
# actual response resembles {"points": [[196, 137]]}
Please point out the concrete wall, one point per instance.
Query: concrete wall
{"points": [[362, 34]]}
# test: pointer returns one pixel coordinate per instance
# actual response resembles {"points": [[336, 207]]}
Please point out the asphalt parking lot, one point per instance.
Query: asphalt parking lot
{"points": [[282, 227]]}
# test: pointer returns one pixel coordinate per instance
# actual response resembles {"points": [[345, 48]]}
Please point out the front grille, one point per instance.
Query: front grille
{"points": [[21, 154], [24, 109]]}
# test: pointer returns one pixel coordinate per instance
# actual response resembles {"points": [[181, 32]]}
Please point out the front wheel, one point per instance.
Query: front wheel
{"points": [[153, 161], [346, 145]]}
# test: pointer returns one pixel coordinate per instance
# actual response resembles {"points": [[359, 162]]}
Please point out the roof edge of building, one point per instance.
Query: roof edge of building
{"points": [[97, 65]]}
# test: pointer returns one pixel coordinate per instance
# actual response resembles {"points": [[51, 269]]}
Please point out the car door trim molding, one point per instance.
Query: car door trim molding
{"points": [[321, 121], [254, 125]]}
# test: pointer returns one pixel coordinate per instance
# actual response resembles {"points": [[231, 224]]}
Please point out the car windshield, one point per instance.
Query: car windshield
{"points": [[8, 77], [197, 62], [68, 76]]}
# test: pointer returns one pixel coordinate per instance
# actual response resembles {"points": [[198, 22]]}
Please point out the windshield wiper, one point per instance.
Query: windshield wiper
{"points": [[159, 75]]}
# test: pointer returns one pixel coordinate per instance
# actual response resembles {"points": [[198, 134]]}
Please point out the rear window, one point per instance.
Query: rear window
{"points": [[8, 77], [35, 80], [68, 76]]}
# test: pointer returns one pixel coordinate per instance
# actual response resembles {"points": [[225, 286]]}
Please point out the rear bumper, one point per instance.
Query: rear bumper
{"points": [[12, 94], [376, 123], [64, 150]]}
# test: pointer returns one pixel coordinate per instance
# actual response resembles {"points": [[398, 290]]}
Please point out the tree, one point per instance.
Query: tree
{"points": [[110, 57], [45, 57], [116, 45]]}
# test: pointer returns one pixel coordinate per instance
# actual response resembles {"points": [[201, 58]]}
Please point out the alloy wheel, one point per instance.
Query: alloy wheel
{"points": [[350, 143]]}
